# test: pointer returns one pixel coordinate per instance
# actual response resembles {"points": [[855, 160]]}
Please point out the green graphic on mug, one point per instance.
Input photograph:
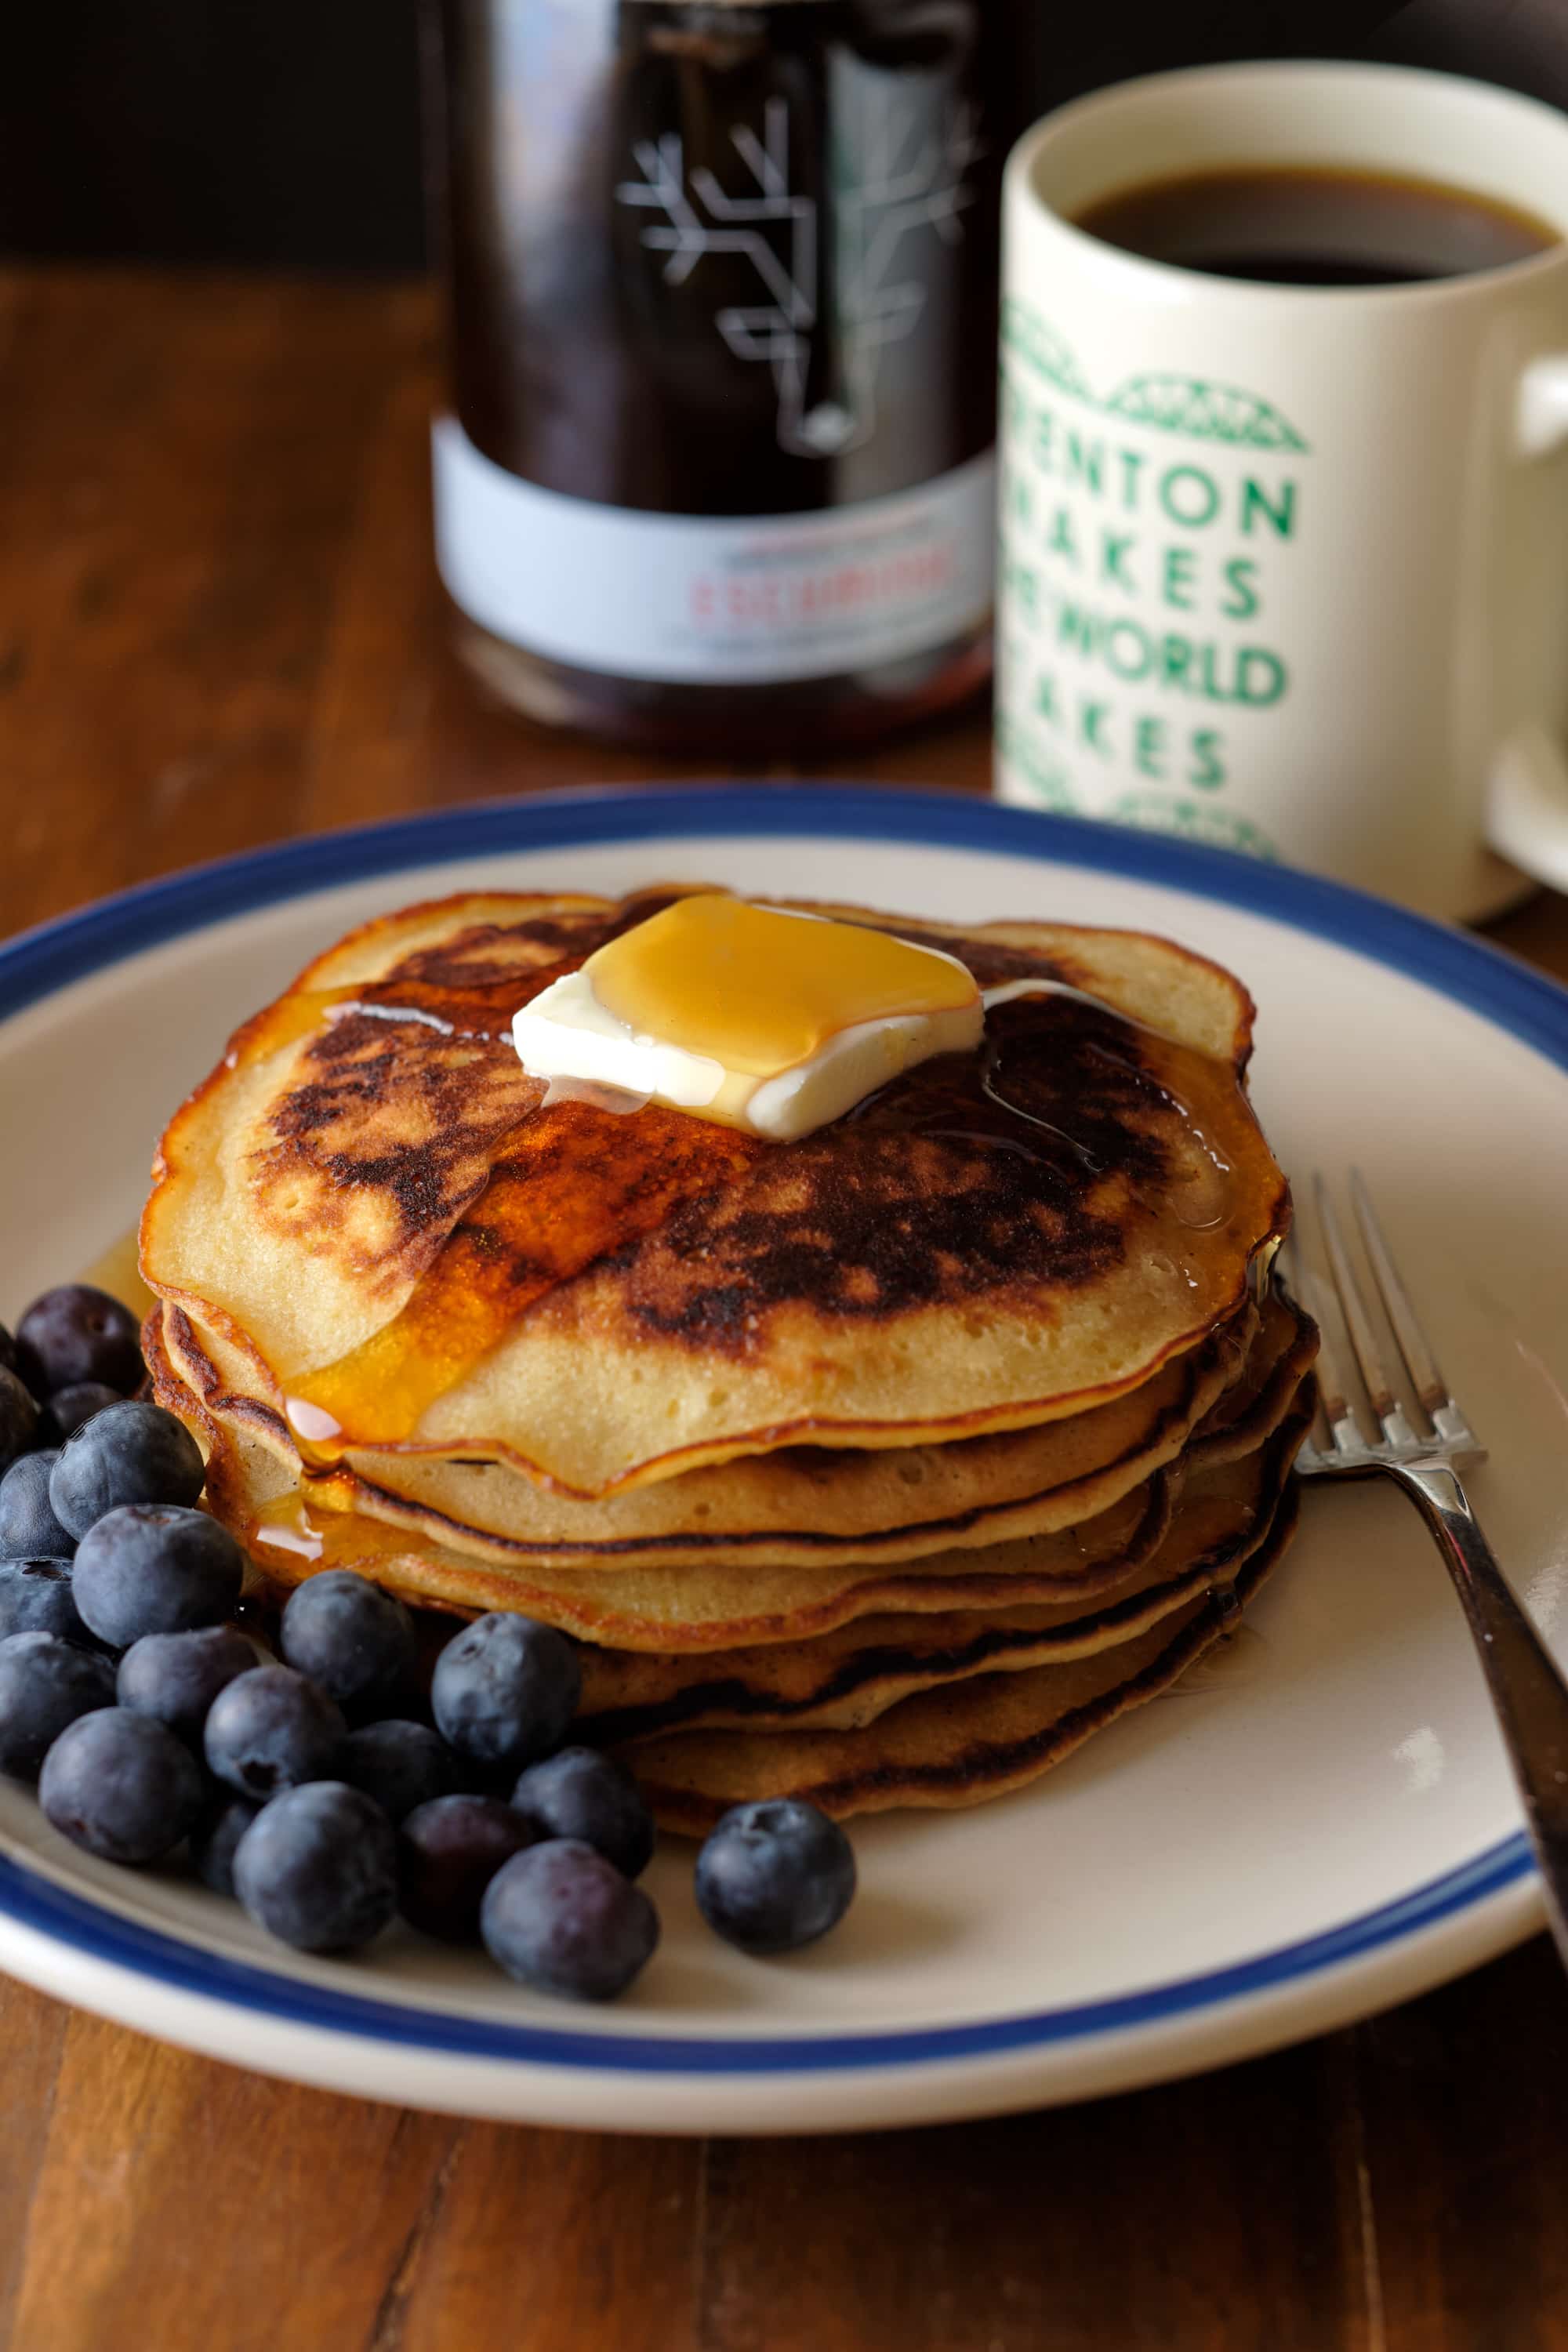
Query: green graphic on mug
{"points": [[1172, 403], [1209, 411], [1220, 828], [1025, 332]]}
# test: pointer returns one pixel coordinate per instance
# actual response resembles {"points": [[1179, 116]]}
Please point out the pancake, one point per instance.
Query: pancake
{"points": [[291, 1533], [954, 1746], [370, 1204], [800, 1504], [1253, 1406], [698, 1607], [847, 1678], [880, 1467]]}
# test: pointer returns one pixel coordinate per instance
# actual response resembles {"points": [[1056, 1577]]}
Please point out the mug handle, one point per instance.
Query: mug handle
{"points": [[1527, 802]]}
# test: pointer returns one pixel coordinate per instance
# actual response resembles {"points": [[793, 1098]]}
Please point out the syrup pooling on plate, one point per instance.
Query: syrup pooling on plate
{"points": [[1066, 1112]]}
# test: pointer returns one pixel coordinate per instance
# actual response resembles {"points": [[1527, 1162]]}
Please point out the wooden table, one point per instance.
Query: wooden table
{"points": [[218, 625]]}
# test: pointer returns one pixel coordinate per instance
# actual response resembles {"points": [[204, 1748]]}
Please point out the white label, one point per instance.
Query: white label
{"points": [[708, 598]]}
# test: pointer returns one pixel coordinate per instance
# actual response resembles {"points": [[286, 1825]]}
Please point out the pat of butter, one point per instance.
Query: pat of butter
{"points": [[750, 1016]]}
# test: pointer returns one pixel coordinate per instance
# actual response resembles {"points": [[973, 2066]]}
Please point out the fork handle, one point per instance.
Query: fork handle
{"points": [[1529, 1694]]}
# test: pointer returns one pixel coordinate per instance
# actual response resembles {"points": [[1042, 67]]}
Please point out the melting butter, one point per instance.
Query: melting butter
{"points": [[751, 1016]]}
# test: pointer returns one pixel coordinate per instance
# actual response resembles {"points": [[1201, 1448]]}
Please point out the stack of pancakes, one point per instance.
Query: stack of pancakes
{"points": [[880, 1468]]}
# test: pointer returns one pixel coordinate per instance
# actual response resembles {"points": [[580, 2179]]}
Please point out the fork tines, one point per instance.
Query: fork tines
{"points": [[1352, 1369]]}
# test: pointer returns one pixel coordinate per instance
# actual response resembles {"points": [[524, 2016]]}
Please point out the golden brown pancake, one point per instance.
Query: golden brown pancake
{"points": [[881, 1467], [689, 1613], [805, 1504], [848, 1677], [694, 1607], [950, 1747], [370, 1202]]}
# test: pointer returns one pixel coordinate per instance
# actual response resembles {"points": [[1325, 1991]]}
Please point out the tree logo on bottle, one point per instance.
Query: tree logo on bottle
{"points": [[899, 171]]}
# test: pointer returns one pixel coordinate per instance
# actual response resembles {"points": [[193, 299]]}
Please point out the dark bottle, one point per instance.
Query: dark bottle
{"points": [[722, 279]]}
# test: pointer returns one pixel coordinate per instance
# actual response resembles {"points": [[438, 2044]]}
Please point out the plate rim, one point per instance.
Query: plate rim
{"points": [[41, 962], [31, 1900], [50, 955]]}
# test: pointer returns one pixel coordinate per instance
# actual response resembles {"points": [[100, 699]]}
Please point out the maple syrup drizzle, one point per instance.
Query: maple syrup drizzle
{"points": [[300, 1526], [759, 989], [571, 1183], [566, 1192]]}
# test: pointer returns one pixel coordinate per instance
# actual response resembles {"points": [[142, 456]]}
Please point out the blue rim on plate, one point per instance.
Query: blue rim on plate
{"points": [[1482, 978]]}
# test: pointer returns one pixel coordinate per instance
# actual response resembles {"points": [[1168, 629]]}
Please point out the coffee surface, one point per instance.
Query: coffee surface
{"points": [[1301, 227]]}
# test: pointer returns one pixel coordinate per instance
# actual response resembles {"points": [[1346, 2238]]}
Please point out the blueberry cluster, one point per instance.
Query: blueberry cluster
{"points": [[322, 1785]]}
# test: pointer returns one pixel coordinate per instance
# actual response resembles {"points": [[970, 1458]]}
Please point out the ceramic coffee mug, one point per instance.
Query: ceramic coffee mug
{"points": [[1286, 567]]}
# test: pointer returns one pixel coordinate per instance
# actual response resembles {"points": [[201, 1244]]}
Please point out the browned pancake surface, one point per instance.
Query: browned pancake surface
{"points": [[954, 1745], [373, 1201], [805, 1504], [848, 1677]]}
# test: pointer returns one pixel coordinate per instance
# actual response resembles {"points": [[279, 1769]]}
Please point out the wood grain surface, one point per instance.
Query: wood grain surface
{"points": [[218, 626]]}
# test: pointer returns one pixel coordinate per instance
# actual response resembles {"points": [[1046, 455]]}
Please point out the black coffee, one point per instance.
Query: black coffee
{"points": [[1316, 227]]}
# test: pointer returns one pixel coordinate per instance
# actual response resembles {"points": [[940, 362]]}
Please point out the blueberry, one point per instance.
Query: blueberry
{"points": [[563, 1919], [29, 1527], [579, 1793], [774, 1876], [18, 1420], [127, 1453], [121, 1785], [271, 1730], [354, 1639], [318, 1867], [69, 1408], [45, 1684], [150, 1568], [7, 1351], [36, 1597], [75, 1333], [401, 1765], [448, 1851], [215, 1837], [505, 1689], [175, 1677]]}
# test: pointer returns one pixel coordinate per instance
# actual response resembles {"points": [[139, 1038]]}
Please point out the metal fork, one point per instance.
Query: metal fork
{"points": [[1425, 1456]]}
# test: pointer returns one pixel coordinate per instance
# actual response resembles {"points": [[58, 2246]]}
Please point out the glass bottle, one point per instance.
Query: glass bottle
{"points": [[722, 277]]}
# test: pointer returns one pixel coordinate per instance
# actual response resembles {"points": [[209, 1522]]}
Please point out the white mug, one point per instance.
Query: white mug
{"points": [[1286, 567]]}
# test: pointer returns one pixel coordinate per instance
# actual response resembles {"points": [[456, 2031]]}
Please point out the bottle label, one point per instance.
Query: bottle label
{"points": [[705, 599]]}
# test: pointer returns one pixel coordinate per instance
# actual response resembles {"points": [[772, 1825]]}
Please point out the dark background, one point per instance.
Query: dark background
{"points": [[287, 131]]}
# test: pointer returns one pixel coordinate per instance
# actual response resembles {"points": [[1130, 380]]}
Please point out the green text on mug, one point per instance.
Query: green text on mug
{"points": [[1284, 566]]}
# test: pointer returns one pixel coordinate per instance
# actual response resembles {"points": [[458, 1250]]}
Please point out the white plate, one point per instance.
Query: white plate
{"points": [[1233, 1867]]}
